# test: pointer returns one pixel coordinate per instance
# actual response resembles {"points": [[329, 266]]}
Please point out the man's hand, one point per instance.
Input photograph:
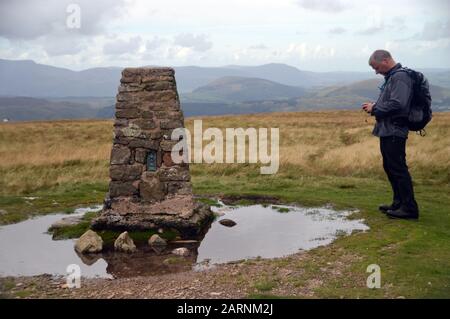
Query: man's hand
{"points": [[368, 106]]}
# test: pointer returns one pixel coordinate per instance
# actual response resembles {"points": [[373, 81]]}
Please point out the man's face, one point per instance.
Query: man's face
{"points": [[382, 67]]}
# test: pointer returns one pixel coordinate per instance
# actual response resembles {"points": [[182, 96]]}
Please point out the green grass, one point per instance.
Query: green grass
{"points": [[176, 261], [23, 293], [265, 285], [281, 209], [210, 202], [266, 296], [74, 231], [64, 198]]}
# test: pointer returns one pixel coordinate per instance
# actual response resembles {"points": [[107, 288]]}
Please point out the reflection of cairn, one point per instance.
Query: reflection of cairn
{"points": [[147, 189]]}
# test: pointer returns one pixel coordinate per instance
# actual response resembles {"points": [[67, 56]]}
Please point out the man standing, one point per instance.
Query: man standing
{"points": [[391, 112]]}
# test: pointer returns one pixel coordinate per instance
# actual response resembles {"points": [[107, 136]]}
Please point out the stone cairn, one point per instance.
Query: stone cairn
{"points": [[147, 189]]}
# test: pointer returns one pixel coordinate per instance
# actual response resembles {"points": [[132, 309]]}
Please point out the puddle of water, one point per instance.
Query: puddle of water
{"points": [[26, 249], [273, 231], [268, 232]]}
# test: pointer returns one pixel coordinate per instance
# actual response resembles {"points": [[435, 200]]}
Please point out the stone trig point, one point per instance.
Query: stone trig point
{"points": [[147, 189]]}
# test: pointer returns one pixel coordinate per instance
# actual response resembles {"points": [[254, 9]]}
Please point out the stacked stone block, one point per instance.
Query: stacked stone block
{"points": [[143, 195]]}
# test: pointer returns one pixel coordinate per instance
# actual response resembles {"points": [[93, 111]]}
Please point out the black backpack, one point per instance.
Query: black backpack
{"points": [[420, 113]]}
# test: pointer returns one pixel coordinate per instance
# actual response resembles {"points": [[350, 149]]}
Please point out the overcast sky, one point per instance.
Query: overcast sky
{"points": [[326, 35]]}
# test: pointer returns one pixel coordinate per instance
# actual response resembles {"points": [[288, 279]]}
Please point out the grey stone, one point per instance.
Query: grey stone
{"points": [[156, 240], [131, 87], [140, 155], [150, 189], [144, 124], [183, 251], [66, 222], [167, 145], [128, 113], [181, 188], [117, 189], [167, 159], [120, 155], [89, 242], [159, 86], [125, 172], [159, 106], [124, 243], [171, 124], [144, 143], [174, 173], [227, 222]]}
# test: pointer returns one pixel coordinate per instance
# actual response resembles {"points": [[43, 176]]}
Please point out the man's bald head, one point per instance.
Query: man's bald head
{"points": [[380, 55], [381, 61]]}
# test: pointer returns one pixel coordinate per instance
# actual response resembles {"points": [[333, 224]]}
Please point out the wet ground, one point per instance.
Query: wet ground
{"points": [[269, 231]]}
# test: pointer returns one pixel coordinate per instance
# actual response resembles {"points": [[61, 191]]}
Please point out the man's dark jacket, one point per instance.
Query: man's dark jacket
{"points": [[392, 107]]}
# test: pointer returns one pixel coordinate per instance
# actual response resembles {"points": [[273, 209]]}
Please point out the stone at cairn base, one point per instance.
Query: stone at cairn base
{"points": [[182, 213], [147, 190]]}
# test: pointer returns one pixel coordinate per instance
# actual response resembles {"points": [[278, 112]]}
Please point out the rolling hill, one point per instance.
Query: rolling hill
{"points": [[239, 89], [351, 96], [27, 78], [29, 109]]}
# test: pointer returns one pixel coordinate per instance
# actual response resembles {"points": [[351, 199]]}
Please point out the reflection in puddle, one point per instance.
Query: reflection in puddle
{"points": [[26, 249], [265, 231], [273, 231]]}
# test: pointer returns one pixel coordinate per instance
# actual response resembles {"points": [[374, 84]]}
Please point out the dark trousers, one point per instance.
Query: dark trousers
{"points": [[394, 164]]}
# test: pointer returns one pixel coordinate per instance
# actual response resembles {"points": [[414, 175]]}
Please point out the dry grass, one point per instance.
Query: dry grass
{"points": [[38, 155], [44, 154], [340, 143]]}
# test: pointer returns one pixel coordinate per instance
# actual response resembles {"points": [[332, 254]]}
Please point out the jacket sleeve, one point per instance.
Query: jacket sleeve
{"points": [[400, 91]]}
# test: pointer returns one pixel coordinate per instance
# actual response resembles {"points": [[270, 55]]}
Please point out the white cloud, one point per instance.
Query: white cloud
{"points": [[123, 46], [305, 51], [331, 6], [375, 23], [30, 19], [371, 30], [435, 30], [337, 30], [198, 42], [155, 43], [427, 46], [258, 47], [55, 46]]}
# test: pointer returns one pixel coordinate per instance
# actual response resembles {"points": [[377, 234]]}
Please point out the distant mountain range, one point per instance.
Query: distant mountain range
{"points": [[30, 91], [27, 78]]}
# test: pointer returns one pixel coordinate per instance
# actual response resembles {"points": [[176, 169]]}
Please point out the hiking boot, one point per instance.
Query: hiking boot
{"points": [[385, 208], [401, 213]]}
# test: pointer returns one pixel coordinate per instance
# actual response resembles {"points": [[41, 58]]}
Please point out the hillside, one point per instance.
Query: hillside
{"points": [[351, 96], [28, 109], [27, 78], [239, 89]]}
